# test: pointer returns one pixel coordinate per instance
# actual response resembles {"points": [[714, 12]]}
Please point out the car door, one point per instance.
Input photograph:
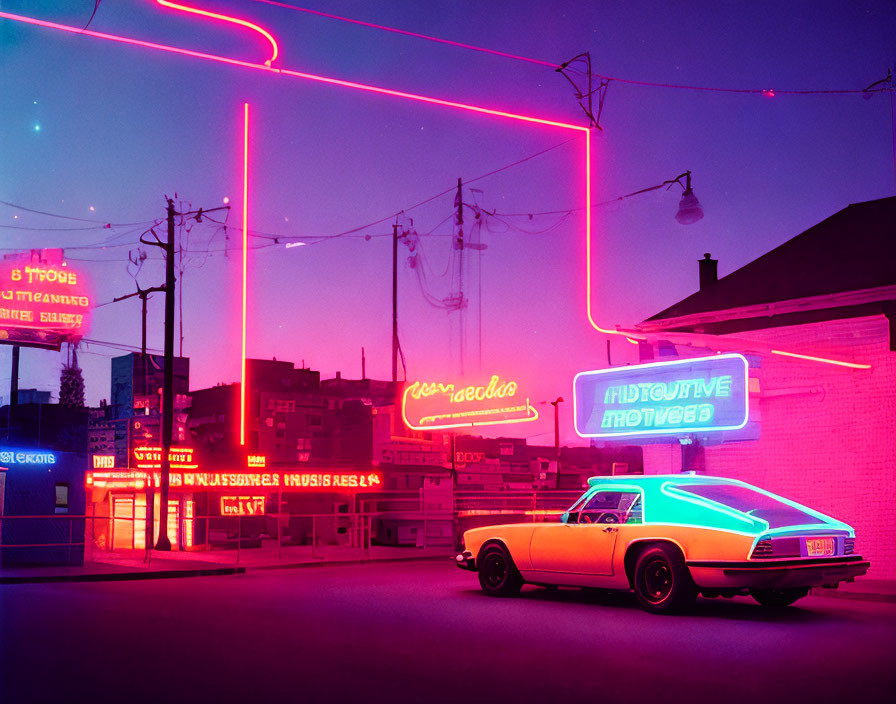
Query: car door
{"points": [[585, 543]]}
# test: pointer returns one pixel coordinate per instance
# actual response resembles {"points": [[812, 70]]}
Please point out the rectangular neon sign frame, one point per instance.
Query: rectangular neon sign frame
{"points": [[622, 372], [496, 390]]}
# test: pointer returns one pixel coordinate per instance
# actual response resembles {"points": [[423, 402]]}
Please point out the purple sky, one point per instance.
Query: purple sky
{"points": [[120, 127]]}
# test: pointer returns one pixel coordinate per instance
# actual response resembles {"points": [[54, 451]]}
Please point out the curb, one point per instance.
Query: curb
{"points": [[123, 576], [201, 572], [327, 563], [855, 596]]}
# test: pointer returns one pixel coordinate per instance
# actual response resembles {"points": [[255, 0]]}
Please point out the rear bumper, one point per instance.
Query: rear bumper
{"points": [[777, 574], [465, 561]]}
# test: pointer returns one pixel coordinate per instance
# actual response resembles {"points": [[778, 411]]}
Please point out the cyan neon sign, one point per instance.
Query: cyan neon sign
{"points": [[26, 457], [705, 394]]}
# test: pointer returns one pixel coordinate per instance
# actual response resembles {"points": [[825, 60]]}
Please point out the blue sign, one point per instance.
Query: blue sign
{"points": [[704, 394], [27, 457]]}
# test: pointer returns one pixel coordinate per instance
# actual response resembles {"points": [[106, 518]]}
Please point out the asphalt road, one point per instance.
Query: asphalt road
{"points": [[422, 632]]}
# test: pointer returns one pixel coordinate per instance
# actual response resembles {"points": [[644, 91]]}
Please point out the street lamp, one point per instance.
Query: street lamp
{"points": [[689, 210]]}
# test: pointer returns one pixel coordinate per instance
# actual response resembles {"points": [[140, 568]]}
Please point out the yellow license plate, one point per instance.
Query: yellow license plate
{"points": [[819, 546]]}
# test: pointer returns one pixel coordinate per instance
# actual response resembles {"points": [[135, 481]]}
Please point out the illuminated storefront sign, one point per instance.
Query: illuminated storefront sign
{"points": [[222, 480], [433, 405], [242, 505], [705, 394], [151, 458], [43, 301], [104, 461], [257, 461], [26, 457]]}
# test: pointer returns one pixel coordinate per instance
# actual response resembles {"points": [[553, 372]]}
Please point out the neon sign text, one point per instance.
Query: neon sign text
{"points": [[242, 505], [104, 461], [151, 458], [256, 461], [435, 405], [26, 457], [663, 398], [225, 480]]}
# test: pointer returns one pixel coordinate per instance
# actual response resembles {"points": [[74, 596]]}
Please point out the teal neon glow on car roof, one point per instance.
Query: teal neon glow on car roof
{"points": [[666, 500]]}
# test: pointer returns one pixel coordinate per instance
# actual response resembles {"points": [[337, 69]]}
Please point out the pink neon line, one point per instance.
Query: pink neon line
{"points": [[297, 74], [245, 267], [226, 18], [411, 34], [824, 360]]}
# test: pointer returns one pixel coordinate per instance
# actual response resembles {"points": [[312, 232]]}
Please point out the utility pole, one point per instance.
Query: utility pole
{"points": [[395, 302], [14, 379], [163, 542]]}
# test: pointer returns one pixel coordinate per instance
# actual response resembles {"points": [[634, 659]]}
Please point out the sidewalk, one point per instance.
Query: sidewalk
{"points": [[131, 564], [862, 590]]}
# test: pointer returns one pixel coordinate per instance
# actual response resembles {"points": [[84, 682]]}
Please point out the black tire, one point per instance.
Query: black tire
{"points": [[778, 597], [498, 576], [662, 581]]}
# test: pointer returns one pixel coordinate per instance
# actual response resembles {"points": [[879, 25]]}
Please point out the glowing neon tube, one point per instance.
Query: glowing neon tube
{"points": [[823, 360], [226, 18], [245, 267]]}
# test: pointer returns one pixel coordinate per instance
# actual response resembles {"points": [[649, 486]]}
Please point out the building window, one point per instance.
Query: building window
{"points": [[62, 498]]}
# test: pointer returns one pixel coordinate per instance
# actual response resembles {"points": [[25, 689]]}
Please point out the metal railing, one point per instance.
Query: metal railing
{"points": [[390, 524]]}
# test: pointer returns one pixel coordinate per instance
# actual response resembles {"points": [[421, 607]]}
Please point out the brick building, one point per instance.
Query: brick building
{"points": [[825, 434]]}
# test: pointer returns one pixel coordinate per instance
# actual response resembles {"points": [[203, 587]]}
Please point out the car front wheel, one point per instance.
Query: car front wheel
{"points": [[662, 581], [498, 576], [777, 597]]}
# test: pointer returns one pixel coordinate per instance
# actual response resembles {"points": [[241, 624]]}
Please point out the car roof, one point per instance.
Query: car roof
{"points": [[656, 480]]}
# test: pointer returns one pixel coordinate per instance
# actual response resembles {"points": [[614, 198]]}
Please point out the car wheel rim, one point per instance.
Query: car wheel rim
{"points": [[658, 581], [496, 571]]}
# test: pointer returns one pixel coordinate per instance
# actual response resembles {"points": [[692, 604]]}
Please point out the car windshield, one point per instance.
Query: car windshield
{"points": [[751, 502]]}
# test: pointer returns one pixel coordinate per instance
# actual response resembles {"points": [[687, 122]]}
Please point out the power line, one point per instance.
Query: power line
{"points": [[71, 217], [768, 92]]}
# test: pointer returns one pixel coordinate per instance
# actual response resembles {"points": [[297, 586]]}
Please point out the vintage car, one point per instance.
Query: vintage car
{"points": [[669, 538]]}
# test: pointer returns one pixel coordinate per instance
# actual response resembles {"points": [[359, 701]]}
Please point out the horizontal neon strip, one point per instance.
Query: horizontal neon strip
{"points": [[296, 74], [823, 360]]}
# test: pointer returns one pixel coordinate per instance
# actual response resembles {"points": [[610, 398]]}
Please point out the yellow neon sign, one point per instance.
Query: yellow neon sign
{"points": [[437, 406]]}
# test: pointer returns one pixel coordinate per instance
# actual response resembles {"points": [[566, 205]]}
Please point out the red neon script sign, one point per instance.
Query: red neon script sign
{"points": [[242, 505], [434, 405]]}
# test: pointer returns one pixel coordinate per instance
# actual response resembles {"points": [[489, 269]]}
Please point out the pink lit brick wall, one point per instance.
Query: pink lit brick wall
{"points": [[828, 434]]}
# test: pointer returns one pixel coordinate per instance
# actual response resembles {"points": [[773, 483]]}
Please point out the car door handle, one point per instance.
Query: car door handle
{"points": [[610, 530]]}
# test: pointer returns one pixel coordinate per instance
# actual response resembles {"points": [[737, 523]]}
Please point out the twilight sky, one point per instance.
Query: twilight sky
{"points": [[97, 130]]}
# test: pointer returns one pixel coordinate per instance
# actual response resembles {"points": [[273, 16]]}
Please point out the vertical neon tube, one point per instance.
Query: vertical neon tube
{"points": [[245, 268]]}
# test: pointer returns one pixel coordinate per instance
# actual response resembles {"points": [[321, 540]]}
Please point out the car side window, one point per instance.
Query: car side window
{"points": [[613, 507]]}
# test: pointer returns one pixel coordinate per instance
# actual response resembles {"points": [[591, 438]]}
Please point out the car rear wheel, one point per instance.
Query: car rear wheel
{"points": [[498, 576], [662, 581], [778, 597]]}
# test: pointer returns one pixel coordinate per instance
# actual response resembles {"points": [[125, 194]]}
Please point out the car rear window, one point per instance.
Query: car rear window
{"points": [[751, 502]]}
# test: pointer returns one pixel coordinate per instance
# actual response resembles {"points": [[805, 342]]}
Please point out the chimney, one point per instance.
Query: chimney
{"points": [[709, 271]]}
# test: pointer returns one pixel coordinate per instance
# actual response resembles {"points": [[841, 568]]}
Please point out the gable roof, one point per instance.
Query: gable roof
{"points": [[850, 251]]}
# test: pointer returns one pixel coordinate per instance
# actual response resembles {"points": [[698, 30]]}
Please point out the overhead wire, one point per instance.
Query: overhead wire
{"points": [[768, 92]]}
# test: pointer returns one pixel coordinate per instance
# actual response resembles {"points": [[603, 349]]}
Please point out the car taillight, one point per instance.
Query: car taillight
{"points": [[849, 546], [763, 549]]}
